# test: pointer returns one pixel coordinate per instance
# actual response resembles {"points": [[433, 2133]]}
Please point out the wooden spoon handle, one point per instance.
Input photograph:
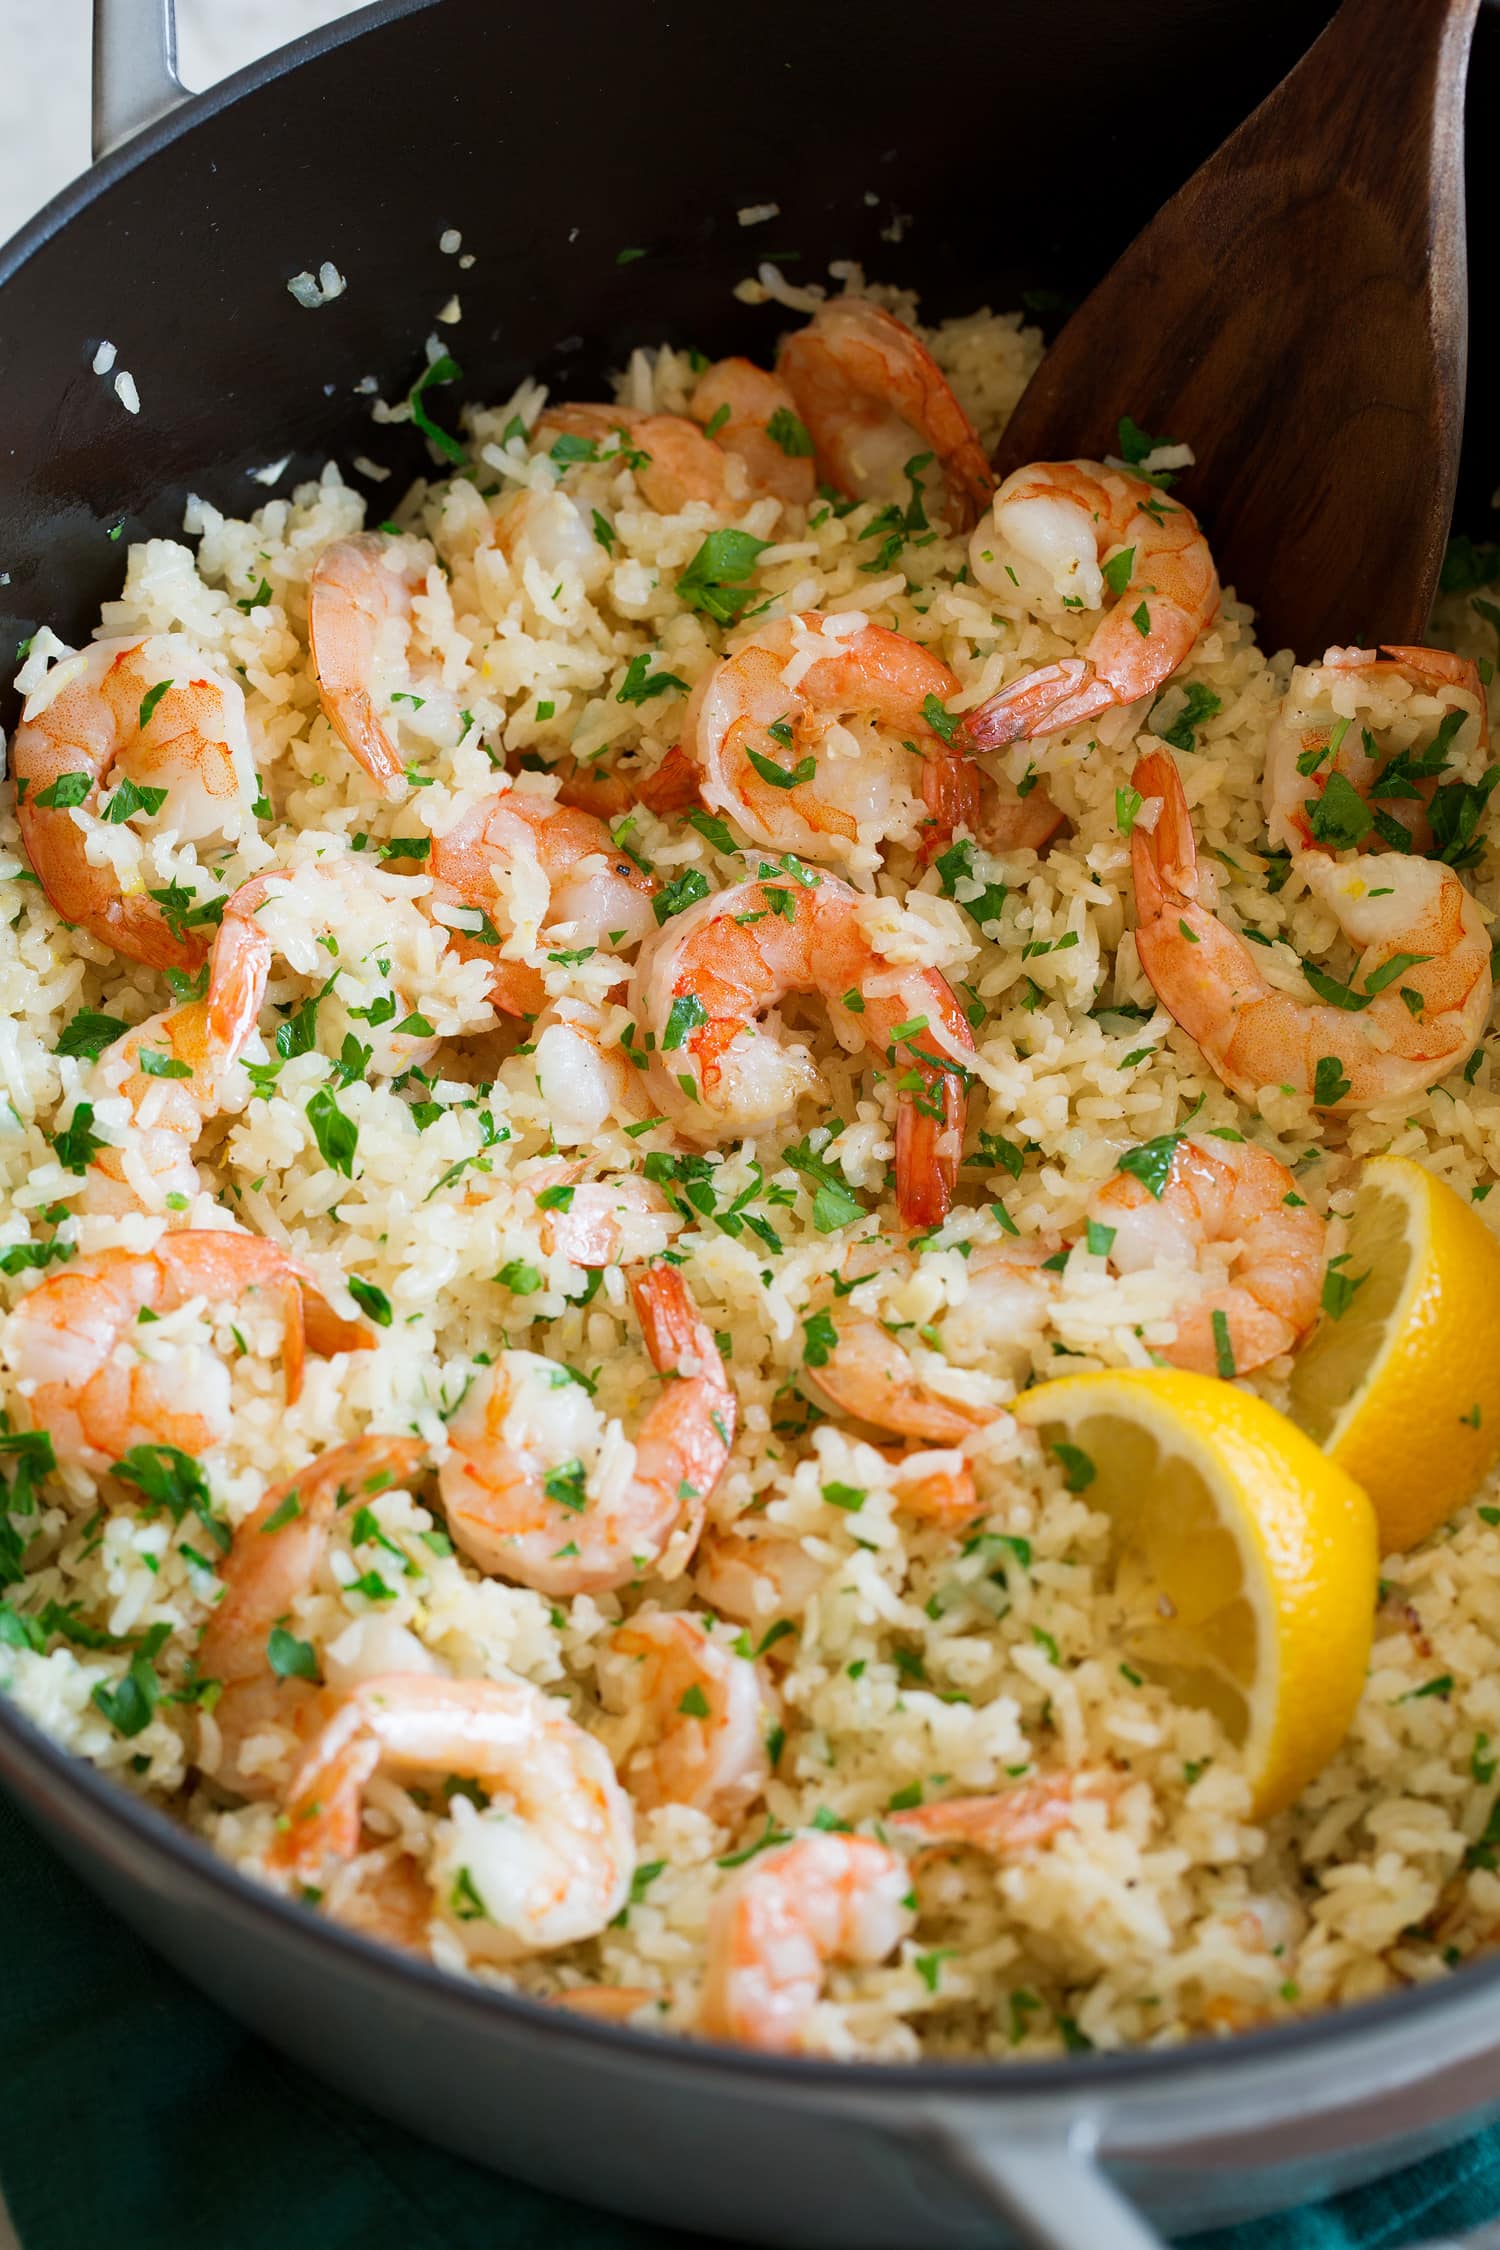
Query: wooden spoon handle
{"points": [[1374, 107]]}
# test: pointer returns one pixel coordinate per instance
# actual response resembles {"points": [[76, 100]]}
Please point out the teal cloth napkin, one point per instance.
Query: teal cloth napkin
{"points": [[136, 2115]]}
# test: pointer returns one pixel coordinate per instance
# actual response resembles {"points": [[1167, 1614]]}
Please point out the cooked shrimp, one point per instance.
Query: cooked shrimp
{"points": [[874, 400], [170, 1073], [358, 607], [748, 412], [147, 712], [390, 1900], [84, 1362], [549, 1866], [515, 1486], [700, 987], [778, 1922], [594, 894], [756, 1573], [548, 532], [1059, 534], [958, 793], [1418, 931], [701, 1714], [585, 1081], [274, 1559], [935, 1488], [669, 788], [620, 1221], [844, 705], [879, 1377], [1374, 717], [672, 460], [291, 911], [1233, 1197], [1018, 1820]]}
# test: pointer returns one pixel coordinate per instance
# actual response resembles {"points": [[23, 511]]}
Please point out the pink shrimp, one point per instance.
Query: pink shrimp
{"points": [[1239, 1198], [935, 1488], [1374, 719], [1061, 532], [152, 712], [289, 911], [750, 413], [514, 1484], [673, 462], [959, 793], [84, 1364], [700, 987], [874, 399], [880, 1378], [1413, 913], [275, 1557], [778, 1922], [552, 1868], [757, 1574], [619, 1221], [599, 896], [170, 1071], [359, 599], [670, 787], [843, 705], [1018, 1820], [701, 1714]]}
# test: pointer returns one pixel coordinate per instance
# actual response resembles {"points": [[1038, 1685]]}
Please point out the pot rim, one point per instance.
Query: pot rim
{"points": [[65, 1774]]}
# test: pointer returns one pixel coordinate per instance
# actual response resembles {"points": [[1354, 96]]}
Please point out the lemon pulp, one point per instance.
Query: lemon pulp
{"points": [[1402, 1389]]}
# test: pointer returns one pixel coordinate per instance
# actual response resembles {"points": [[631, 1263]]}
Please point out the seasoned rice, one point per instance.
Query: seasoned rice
{"points": [[918, 1669]]}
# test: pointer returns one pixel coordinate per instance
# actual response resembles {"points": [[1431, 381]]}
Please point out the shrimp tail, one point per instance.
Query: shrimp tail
{"points": [[1059, 695], [951, 792], [685, 1441], [929, 1147], [350, 596], [1164, 859], [674, 786], [671, 1325], [323, 1816], [328, 1332]]}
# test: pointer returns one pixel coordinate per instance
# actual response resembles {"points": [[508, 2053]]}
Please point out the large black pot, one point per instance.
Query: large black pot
{"points": [[1027, 141]]}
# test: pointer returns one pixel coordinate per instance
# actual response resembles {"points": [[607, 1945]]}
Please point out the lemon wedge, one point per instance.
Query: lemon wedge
{"points": [[1245, 1559], [1402, 1389]]}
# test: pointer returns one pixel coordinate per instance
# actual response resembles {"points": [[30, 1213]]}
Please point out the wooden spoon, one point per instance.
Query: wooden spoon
{"points": [[1298, 315]]}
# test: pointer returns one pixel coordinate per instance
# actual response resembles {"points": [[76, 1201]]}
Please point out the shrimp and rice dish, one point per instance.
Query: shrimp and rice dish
{"points": [[595, 1068]]}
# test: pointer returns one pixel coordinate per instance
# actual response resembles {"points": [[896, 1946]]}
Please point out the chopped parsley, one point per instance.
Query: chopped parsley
{"points": [[641, 683], [443, 370], [289, 1658], [792, 436], [714, 581], [955, 866], [337, 1135], [371, 1300], [86, 1035], [1150, 1162]]}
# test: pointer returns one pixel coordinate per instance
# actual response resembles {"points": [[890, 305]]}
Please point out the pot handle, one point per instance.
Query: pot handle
{"points": [[1049, 2189], [1053, 2194], [135, 68]]}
